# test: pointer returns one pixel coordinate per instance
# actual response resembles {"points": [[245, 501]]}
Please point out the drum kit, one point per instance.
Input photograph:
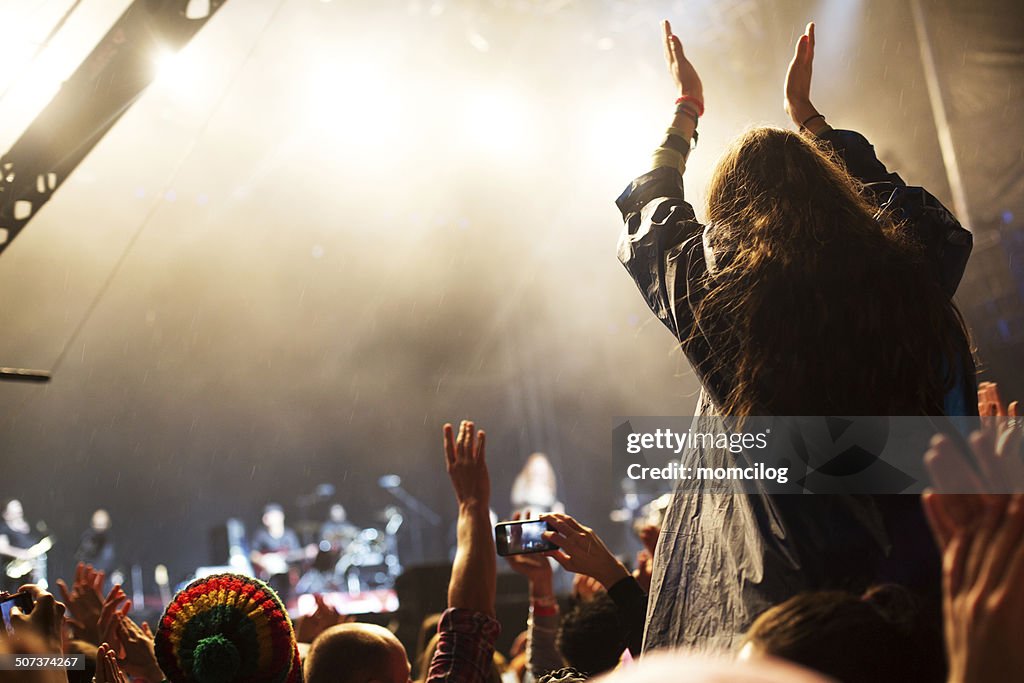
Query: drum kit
{"points": [[353, 560]]}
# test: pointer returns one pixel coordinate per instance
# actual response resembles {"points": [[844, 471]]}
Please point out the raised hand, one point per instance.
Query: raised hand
{"points": [[474, 571], [644, 570], [584, 587], [983, 596], [45, 621], [961, 495], [466, 464], [990, 403], [649, 534], [582, 551], [687, 81], [84, 601], [798, 79], [134, 647], [999, 470], [309, 626], [114, 605], [107, 670], [536, 569], [999, 418]]}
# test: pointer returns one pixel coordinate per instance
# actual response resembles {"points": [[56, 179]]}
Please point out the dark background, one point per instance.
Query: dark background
{"points": [[336, 225]]}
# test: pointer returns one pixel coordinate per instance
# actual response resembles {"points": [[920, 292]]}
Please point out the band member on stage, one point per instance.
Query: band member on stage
{"points": [[535, 489], [275, 549], [337, 531], [97, 544], [22, 552]]}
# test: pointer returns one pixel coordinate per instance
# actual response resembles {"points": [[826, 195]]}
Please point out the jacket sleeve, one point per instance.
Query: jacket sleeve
{"points": [[541, 652], [947, 244], [663, 249], [631, 602], [660, 231], [465, 648]]}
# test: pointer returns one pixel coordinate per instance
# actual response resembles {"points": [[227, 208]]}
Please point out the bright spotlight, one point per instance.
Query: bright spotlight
{"points": [[497, 121], [177, 76], [163, 63], [357, 104], [623, 138], [171, 70], [197, 9]]}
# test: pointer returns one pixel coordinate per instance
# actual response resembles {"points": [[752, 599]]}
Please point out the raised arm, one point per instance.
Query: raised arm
{"points": [[658, 219], [946, 242], [474, 571], [854, 149], [689, 92], [542, 623], [797, 101], [468, 629]]}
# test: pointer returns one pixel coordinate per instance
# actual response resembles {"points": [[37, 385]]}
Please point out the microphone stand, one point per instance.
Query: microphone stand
{"points": [[393, 485]]}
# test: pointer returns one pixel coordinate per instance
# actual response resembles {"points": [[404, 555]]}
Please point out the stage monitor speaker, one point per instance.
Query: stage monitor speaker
{"points": [[227, 542], [423, 590]]}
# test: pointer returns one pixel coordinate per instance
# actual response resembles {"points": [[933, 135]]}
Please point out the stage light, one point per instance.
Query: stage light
{"points": [[477, 40], [163, 64], [389, 481], [173, 71], [497, 121], [181, 79], [357, 105], [619, 138], [197, 9]]}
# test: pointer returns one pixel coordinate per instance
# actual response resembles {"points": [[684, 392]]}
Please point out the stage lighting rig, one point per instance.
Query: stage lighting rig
{"points": [[90, 102]]}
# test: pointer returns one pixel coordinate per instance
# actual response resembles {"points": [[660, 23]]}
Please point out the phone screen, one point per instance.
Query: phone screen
{"points": [[22, 600], [518, 538]]}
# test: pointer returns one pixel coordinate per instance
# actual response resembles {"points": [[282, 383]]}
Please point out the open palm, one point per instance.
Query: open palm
{"points": [[687, 81], [798, 78]]}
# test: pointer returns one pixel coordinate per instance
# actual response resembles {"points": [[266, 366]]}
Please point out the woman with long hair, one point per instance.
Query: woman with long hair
{"points": [[821, 285]]}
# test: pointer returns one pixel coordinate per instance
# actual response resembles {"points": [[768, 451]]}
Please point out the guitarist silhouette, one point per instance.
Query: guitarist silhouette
{"points": [[22, 550]]}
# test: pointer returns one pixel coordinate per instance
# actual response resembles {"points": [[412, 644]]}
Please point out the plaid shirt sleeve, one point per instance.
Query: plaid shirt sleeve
{"points": [[465, 650]]}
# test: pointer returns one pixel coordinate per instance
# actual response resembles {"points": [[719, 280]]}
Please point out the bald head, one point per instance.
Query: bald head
{"points": [[356, 653]]}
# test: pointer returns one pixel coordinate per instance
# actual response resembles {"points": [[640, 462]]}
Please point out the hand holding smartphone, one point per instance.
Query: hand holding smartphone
{"points": [[22, 600]]}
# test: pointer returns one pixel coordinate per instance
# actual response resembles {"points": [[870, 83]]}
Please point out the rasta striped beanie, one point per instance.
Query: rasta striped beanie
{"points": [[226, 628]]}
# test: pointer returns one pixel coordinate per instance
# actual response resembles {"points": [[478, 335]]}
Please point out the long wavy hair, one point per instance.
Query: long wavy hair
{"points": [[818, 306]]}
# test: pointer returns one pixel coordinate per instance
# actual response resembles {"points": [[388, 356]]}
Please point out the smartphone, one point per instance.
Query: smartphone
{"points": [[22, 600], [519, 538]]}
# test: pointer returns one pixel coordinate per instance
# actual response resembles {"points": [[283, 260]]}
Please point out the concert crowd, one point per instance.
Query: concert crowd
{"points": [[810, 229]]}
